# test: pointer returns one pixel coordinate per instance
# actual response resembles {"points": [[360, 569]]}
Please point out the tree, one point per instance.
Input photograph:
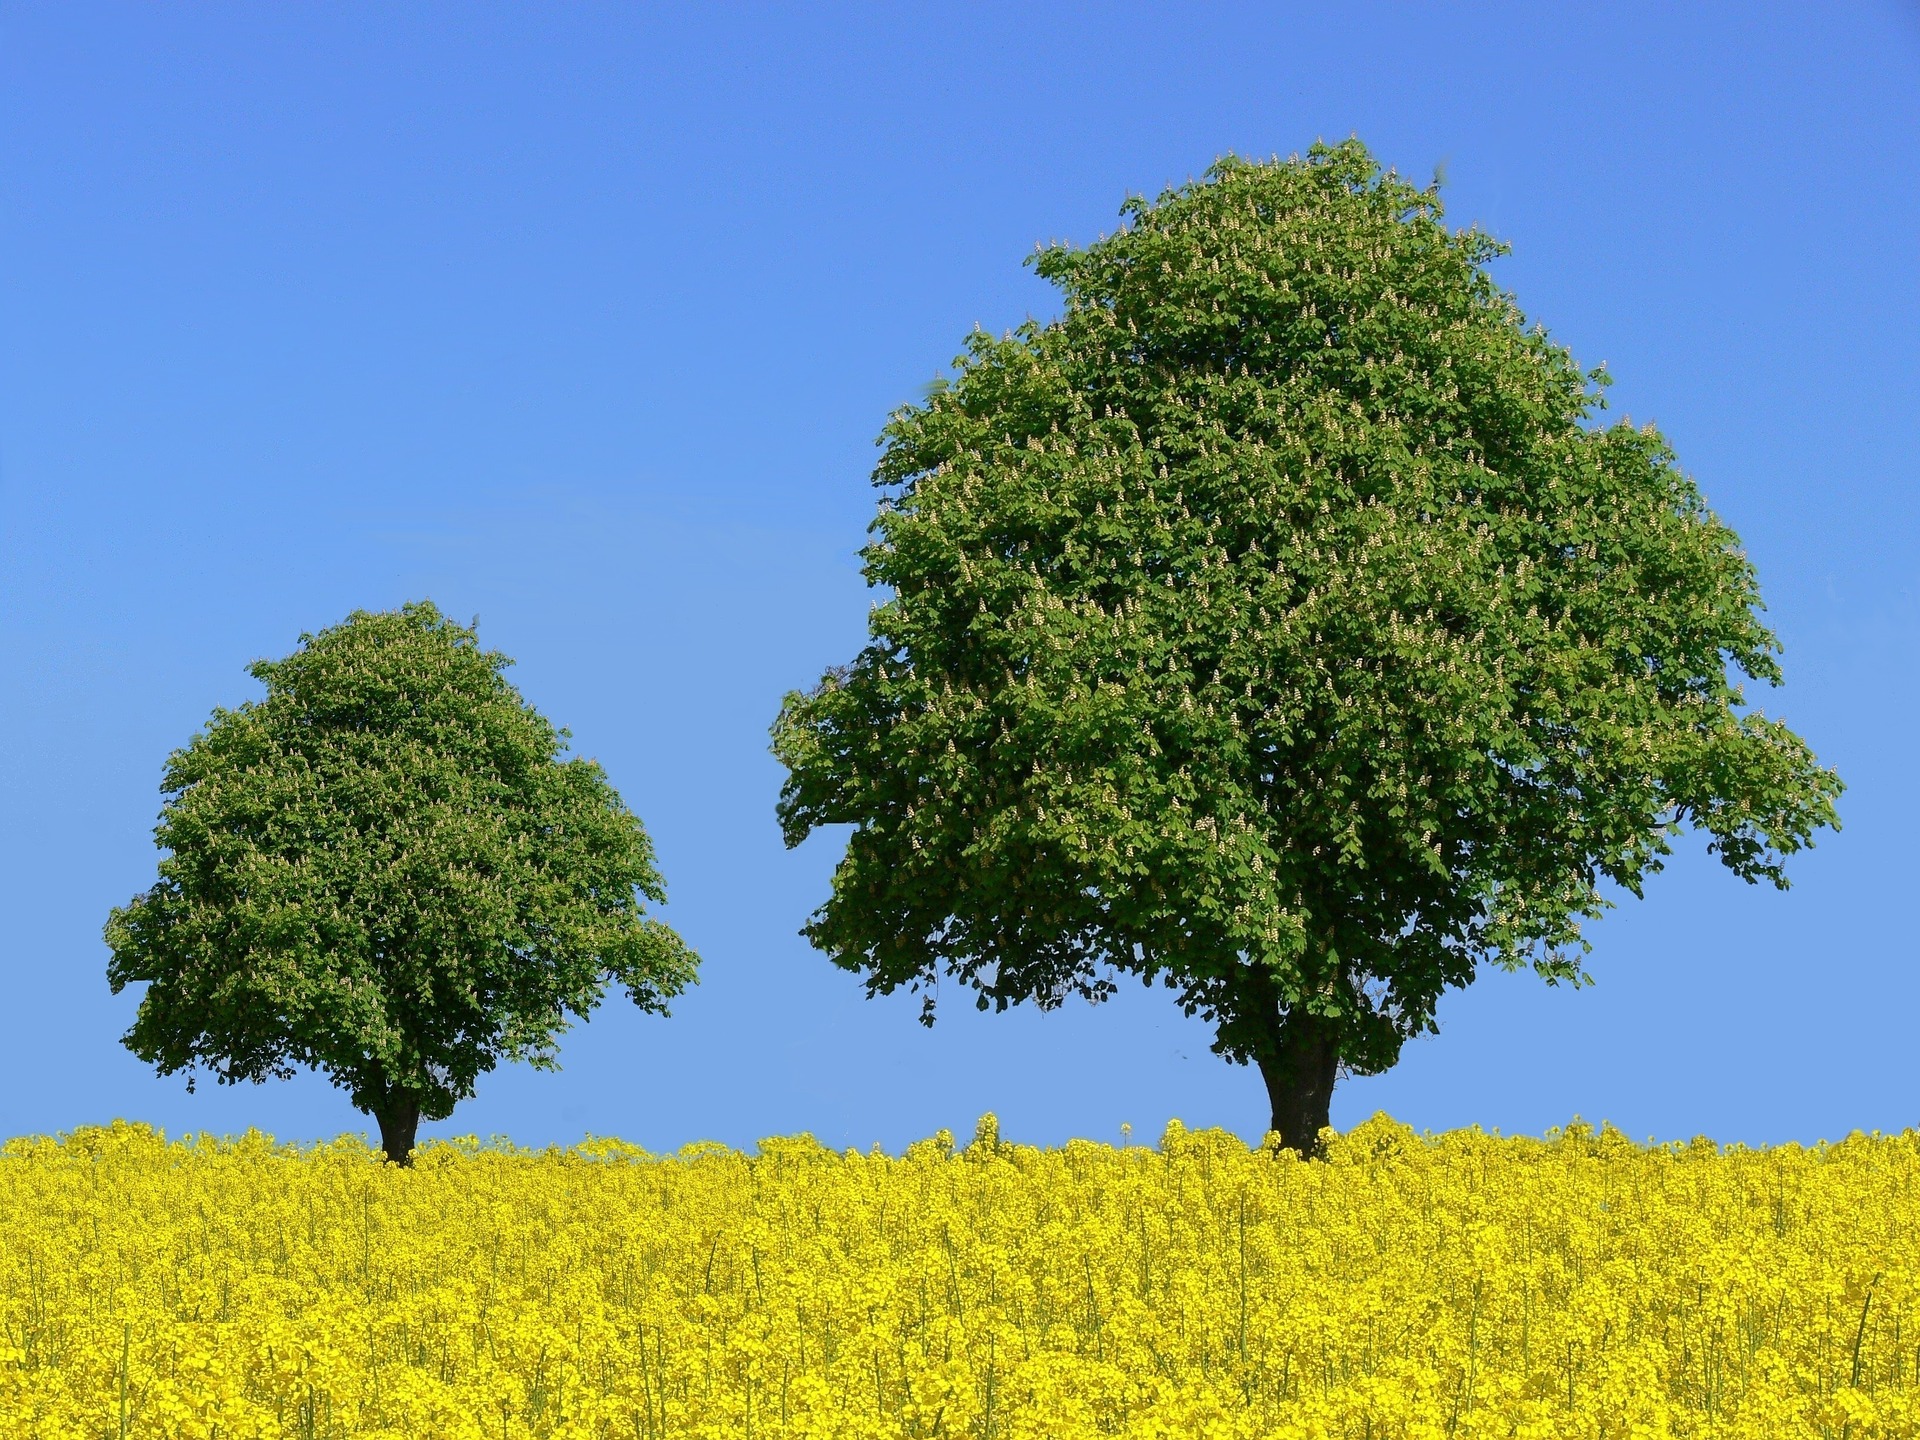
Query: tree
{"points": [[1278, 624], [385, 870]]}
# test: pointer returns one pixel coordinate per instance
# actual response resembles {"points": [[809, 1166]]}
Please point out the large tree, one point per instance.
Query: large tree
{"points": [[1279, 624], [384, 869]]}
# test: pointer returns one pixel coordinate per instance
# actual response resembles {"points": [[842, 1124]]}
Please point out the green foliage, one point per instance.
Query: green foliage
{"points": [[1278, 624], [385, 870]]}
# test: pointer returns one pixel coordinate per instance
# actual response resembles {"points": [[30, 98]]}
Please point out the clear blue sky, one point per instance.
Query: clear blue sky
{"points": [[583, 319]]}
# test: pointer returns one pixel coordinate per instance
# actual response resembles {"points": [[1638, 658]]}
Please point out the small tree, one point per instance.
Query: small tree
{"points": [[1275, 624], [384, 870]]}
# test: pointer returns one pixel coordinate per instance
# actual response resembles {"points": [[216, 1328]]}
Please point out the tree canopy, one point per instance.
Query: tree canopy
{"points": [[386, 870], [1279, 624]]}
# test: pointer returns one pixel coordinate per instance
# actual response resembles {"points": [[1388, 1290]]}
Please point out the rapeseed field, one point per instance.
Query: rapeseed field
{"points": [[1461, 1285]]}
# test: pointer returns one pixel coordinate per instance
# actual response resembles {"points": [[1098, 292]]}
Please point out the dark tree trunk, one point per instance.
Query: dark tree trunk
{"points": [[1299, 1069], [399, 1117]]}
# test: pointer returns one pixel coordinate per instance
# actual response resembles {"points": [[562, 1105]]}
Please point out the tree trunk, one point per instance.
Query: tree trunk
{"points": [[399, 1117], [1299, 1069]]}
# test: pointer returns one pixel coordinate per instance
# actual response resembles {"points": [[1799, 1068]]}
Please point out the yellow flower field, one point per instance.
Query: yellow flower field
{"points": [[1461, 1285]]}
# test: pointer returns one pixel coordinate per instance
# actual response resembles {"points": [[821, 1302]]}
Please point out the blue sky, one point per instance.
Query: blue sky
{"points": [[583, 320]]}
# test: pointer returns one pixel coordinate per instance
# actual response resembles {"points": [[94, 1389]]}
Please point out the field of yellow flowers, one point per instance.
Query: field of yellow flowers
{"points": [[1460, 1285]]}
